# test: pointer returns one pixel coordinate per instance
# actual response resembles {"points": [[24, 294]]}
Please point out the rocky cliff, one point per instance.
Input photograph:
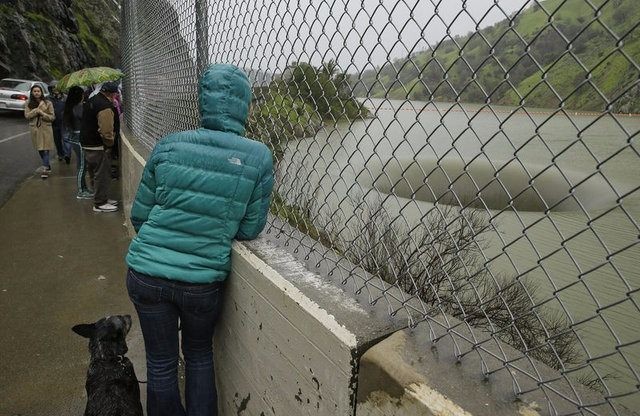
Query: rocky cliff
{"points": [[45, 39]]}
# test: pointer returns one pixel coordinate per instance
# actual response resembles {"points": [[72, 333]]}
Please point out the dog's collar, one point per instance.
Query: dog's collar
{"points": [[120, 359]]}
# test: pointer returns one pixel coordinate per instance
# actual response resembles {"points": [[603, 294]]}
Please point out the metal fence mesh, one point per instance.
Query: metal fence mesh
{"points": [[477, 163]]}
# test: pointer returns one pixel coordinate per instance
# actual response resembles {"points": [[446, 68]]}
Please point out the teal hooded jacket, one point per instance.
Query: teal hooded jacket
{"points": [[202, 188]]}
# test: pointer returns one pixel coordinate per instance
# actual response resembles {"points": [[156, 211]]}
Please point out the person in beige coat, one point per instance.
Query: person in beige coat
{"points": [[40, 114]]}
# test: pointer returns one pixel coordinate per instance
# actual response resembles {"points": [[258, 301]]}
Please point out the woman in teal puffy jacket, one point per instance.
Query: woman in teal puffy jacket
{"points": [[200, 190]]}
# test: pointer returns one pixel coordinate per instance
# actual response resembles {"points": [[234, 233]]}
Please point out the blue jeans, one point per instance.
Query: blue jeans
{"points": [[44, 155], [72, 142], [160, 303], [57, 140]]}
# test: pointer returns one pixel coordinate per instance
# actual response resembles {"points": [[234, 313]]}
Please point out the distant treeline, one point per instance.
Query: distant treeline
{"points": [[299, 102]]}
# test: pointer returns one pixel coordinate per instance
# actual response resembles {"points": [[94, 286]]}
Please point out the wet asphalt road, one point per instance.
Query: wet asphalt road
{"points": [[18, 159], [60, 264]]}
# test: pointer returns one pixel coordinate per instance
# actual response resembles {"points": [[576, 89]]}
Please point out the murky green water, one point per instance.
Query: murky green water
{"points": [[583, 255]]}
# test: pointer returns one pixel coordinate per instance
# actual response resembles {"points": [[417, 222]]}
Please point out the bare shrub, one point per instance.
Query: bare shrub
{"points": [[441, 262]]}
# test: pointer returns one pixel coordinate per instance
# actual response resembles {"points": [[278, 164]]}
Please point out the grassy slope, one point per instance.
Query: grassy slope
{"points": [[610, 73]]}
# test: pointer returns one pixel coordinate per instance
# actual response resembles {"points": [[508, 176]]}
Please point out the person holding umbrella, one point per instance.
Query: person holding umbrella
{"points": [[97, 136], [88, 76]]}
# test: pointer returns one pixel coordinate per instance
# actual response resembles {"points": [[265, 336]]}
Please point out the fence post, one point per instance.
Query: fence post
{"points": [[202, 35]]}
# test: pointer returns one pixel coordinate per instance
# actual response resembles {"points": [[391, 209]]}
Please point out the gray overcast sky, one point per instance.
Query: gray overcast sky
{"points": [[268, 35]]}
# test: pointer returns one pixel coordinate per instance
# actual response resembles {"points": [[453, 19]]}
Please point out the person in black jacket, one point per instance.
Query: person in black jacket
{"points": [[97, 136], [72, 121], [58, 100]]}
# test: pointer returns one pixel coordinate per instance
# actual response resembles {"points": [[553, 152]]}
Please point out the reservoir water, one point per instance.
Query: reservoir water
{"points": [[583, 169]]}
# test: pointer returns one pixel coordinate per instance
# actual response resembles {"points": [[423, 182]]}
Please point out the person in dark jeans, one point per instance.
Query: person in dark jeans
{"points": [[160, 304], [58, 101], [72, 121], [200, 189], [97, 136]]}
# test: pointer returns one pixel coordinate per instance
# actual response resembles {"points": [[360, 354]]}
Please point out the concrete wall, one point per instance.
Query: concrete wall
{"points": [[132, 160], [399, 377], [285, 347], [407, 374]]}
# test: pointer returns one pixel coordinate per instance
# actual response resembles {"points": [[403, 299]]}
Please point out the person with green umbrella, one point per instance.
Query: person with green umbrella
{"points": [[88, 76]]}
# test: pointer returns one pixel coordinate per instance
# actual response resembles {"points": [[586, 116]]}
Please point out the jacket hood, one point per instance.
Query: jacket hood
{"points": [[224, 98]]}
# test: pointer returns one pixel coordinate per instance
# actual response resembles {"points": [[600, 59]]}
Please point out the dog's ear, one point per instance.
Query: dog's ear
{"points": [[85, 330]]}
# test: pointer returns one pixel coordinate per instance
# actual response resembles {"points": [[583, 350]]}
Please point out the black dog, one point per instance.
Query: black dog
{"points": [[112, 386]]}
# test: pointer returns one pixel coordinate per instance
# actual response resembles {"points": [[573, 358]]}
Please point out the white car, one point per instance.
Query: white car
{"points": [[14, 93]]}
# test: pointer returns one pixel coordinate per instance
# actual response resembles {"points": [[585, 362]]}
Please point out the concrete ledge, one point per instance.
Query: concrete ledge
{"points": [[407, 374], [132, 160], [390, 383], [289, 340]]}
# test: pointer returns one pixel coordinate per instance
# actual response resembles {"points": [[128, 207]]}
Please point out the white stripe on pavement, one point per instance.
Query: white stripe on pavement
{"points": [[13, 137]]}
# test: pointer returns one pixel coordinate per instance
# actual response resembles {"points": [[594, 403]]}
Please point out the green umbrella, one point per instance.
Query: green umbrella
{"points": [[88, 76]]}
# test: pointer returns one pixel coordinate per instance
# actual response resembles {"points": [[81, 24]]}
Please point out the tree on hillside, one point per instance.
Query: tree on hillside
{"points": [[297, 104], [326, 88]]}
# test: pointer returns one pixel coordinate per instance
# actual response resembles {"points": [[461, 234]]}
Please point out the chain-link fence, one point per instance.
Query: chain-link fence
{"points": [[476, 161]]}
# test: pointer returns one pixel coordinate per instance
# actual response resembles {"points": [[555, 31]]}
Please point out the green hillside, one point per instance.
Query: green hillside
{"points": [[552, 54]]}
